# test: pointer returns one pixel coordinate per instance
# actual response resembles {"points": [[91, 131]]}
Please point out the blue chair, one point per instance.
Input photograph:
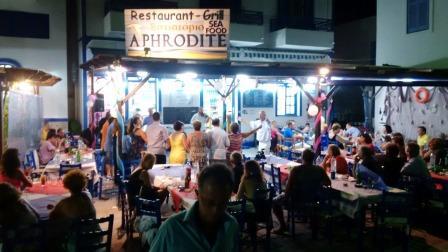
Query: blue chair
{"points": [[64, 168], [146, 207], [276, 179], [99, 161]]}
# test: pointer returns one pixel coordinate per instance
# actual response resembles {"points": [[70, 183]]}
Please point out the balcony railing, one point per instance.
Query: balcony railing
{"points": [[302, 23], [120, 5], [247, 17]]}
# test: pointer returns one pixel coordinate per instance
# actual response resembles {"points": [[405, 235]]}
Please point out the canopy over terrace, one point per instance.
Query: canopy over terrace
{"points": [[21, 76], [336, 75]]}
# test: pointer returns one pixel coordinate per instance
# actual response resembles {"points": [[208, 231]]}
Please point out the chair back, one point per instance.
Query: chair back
{"points": [[325, 199], [395, 205], [263, 203], [91, 236], [276, 179], [64, 168], [149, 208], [99, 161], [237, 208], [32, 159]]}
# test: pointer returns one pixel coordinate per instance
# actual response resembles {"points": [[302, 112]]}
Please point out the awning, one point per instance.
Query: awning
{"points": [[34, 77]]}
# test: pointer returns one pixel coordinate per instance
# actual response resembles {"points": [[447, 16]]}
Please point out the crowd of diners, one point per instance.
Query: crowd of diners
{"points": [[223, 172]]}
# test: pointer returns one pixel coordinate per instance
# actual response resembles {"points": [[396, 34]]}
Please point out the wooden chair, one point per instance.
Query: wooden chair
{"points": [[237, 208], [91, 237], [263, 213]]}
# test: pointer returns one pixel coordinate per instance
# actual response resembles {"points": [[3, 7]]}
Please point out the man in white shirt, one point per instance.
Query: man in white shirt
{"points": [[218, 142], [201, 117], [157, 136], [264, 133]]}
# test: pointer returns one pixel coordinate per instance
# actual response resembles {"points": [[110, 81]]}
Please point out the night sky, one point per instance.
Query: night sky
{"points": [[349, 10]]}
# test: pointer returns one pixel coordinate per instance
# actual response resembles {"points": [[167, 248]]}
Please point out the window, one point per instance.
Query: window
{"points": [[286, 103], [417, 16]]}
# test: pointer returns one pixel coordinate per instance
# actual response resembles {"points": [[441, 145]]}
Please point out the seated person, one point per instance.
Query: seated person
{"points": [[251, 181], [304, 182], [365, 157], [366, 140], [141, 182], [10, 170], [341, 163], [351, 132], [437, 149], [48, 148], [78, 204], [288, 134], [236, 161], [61, 138], [416, 166], [14, 212], [422, 138], [206, 226], [333, 135], [391, 164]]}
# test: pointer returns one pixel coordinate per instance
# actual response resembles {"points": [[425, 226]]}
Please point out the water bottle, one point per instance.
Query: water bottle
{"points": [[78, 156], [333, 168], [432, 160]]}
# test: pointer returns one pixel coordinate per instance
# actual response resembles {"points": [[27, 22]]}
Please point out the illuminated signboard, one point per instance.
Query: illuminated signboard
{"points": [[177, 33]]}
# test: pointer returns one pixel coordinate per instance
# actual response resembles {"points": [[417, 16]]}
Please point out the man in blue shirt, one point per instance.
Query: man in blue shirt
{"points": [[206, 226], [148, 120], [351, 132], [288, 134]]}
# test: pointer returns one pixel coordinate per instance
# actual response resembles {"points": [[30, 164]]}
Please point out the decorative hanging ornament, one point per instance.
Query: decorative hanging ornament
{"points": [[313, 110]]}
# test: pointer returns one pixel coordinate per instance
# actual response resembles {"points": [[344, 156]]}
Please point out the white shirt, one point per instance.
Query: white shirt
{"points": [[219, 141], [157, 136], [263, 134], [202, 118]]}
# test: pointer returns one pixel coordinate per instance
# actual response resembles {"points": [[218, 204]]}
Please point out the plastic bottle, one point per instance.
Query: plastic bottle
{"points": [[78, 156], [432, 161], [333, 168]]}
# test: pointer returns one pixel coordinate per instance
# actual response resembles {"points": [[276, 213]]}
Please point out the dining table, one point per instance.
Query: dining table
{"points": [[43, 197]]}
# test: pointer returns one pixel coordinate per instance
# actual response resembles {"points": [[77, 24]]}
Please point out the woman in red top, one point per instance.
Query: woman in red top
{"points": [[341, 163], [236, 138], [10, 172]]}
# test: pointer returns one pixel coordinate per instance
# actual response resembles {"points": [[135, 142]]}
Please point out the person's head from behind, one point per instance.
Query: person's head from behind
{"points": [[108, 115], [387, 129], [412, 150], [150, 111], [9, 196], [333, 150], [435, 144], [148, 161], [274, 124], [398, 139], [236, 158], [215, 122], [178, 126], [60, 133], [51, 135], [10, 162], [201, 110], [421, 130], [365, 152], [387, 138], [75, 181], [307, 156], [156, 116], [252, 170], [365, 138], [235, 128], [262, 115], [197, 125], [392, 150], [336, 128], [215, 184]]}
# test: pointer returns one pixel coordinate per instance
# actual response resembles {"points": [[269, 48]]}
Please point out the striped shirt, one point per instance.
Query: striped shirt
{"points": [[235, 142]]}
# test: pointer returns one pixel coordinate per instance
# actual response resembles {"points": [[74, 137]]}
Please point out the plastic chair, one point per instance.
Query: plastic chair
{"points": [[276, 179], [90, 236], [64, 168]]}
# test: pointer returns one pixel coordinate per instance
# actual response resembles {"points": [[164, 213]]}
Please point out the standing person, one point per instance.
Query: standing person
{"points": [[104, 129], [10, 170], [236, 137], [197, 145], [264, 133], [206, 226], [176, 142], [109, 146], [88, 136], [200, 116], [148, 120], [47, 149], [157, 135], [138, 139], [276, 137], [218, 141], [422, 138]]}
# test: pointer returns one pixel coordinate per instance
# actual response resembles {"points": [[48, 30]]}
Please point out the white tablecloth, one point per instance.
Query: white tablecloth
{"points": [[88, 165]]}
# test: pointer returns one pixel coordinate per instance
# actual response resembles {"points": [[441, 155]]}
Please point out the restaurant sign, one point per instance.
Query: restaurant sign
{"points": [[177, 33]]}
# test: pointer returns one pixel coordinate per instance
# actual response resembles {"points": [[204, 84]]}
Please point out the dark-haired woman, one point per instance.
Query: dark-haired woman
{"points": [[366, 140], [177, 143], [138, 139], [10, 172], [251, 181], [48, 148]]}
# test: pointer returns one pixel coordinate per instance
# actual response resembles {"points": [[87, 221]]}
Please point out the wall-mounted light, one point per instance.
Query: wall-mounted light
{"points": [[324, 71]]}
